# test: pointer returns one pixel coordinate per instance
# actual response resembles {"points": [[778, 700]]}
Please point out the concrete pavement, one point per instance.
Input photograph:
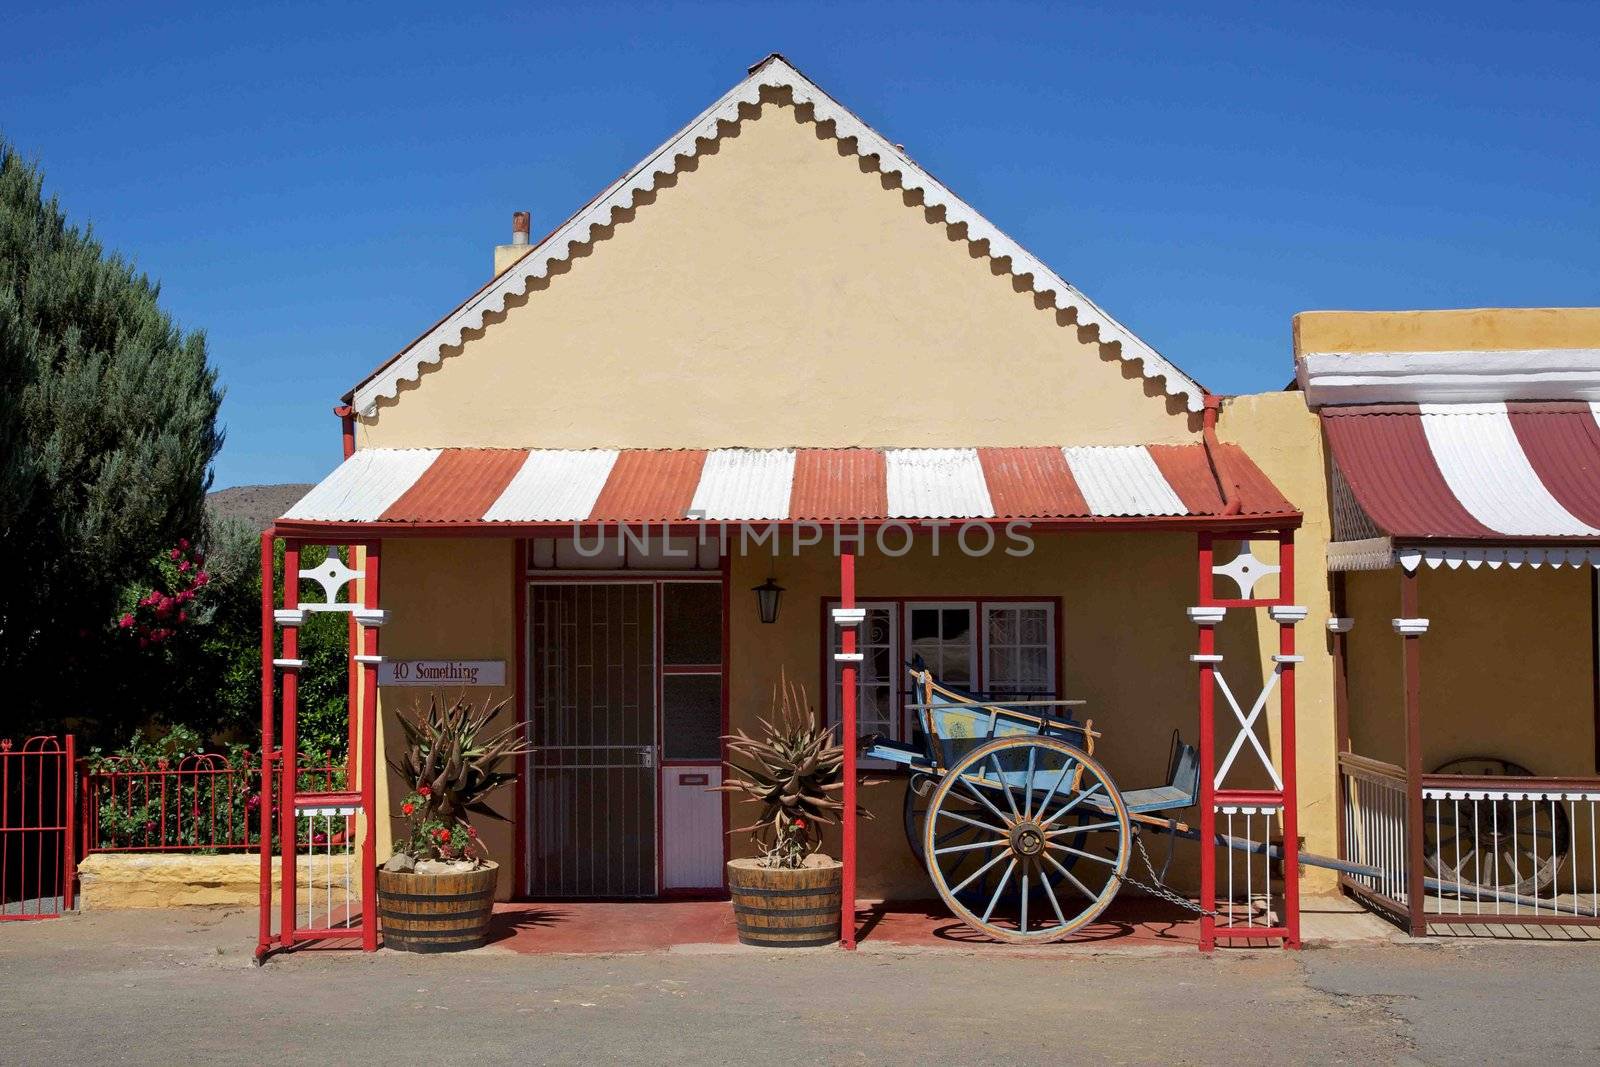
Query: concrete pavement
{"points": [[178, 987]]}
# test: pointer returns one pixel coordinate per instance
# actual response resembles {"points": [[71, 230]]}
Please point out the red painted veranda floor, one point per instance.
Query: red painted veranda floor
{"points": [[648, 926]]}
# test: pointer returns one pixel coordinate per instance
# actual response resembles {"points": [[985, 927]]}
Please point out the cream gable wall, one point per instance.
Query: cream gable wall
{"points": [[777, 291]]}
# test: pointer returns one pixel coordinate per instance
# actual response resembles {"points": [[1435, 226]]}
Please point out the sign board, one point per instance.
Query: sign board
{"points": [[442, 673]]}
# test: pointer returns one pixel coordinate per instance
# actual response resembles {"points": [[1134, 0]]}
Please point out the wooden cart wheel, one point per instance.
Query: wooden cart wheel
{"points": [[1507, 846], [1042, 823]]}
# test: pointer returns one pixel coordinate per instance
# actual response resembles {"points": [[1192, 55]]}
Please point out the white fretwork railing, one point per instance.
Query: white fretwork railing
{"points": [[1374, 827], [1511, 850], [328, 885], [1245, 890]]}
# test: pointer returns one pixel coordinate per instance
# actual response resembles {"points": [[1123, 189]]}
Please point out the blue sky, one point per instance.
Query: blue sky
{"points": [[314, 186]]}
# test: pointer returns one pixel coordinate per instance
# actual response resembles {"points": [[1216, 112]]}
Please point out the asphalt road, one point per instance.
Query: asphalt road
{"points": [[178, 987]]}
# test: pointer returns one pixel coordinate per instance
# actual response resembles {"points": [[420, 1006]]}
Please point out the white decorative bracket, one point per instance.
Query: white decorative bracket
{"points": [[333, 575], [289, 664], [372, 617], [1280, 659], [1205, 657], [289, 616], [1410, 627], [847, 657], [1338, 625], [1246, 570], [1205, 616], [1290, 613], [1247, 728], [849, 616], [374, 660]]}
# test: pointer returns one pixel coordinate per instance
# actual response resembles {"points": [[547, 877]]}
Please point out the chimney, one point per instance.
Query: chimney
{"points": [[505, 255]]}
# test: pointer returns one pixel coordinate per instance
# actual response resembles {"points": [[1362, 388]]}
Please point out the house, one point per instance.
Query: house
{"points": [[776, 400], [1464, 476]]}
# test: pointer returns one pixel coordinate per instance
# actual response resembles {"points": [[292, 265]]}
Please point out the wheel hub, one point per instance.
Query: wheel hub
{"points": [[1027, 839]]}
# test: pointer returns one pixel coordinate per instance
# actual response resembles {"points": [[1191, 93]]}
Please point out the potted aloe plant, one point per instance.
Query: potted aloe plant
{"points": [[789, 895], [436, 893]]}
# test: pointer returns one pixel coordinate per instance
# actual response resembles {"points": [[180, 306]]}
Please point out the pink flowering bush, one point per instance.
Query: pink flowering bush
{"points": [[176, 599]]}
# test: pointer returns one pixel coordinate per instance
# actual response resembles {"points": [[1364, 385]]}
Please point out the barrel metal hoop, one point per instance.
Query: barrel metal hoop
{"points": [[761, 942], [745, 909], [758, 891], [822, 929], [482, 894], [435, 917]]}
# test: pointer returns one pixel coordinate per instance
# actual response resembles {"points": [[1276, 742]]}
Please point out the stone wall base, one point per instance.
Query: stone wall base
{"points": [[109, 880]]}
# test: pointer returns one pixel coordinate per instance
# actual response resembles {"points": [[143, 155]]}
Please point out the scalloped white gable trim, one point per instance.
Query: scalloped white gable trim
{"points": [[774, 73]]}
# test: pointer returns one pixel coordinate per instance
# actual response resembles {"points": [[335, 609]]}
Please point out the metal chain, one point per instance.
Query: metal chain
{"points": [[1154, 886]]}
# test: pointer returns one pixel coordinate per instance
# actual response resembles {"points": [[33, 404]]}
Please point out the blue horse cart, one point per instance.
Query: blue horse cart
{"points": [[1024, 833]]}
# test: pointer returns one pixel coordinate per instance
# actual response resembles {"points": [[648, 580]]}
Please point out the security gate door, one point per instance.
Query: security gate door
{"points": [[592, 711]]}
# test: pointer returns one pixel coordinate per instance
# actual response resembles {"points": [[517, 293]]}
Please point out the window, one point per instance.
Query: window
{"points": [[1003, 648]]}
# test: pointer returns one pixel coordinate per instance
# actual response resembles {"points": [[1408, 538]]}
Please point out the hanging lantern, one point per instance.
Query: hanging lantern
{"points": [[768, 593]]}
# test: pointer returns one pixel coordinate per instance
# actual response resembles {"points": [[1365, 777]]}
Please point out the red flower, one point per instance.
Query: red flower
{"points": [[424, 791], [407, 809], [472, 832], [183, 568], [183, 543], [173, 554], [202, 578], [126, 622], [799, 824], [444, 835]]}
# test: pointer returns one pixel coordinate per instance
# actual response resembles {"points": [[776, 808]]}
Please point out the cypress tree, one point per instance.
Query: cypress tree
{"points": [[107, 434]]}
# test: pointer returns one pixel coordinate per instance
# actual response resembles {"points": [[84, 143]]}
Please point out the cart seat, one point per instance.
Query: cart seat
{"points": [[1181, 790]]}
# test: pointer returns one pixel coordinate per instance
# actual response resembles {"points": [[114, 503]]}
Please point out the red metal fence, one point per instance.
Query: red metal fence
{"points": [[198, 803], [37, 793]]}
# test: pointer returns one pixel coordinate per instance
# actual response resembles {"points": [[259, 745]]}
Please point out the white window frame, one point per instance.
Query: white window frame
{"points": [[900, 644], [1051, 641]]}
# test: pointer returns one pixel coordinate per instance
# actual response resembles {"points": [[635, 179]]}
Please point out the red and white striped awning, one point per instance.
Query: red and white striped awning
{"points": [[1467, 473], [472, 486]]}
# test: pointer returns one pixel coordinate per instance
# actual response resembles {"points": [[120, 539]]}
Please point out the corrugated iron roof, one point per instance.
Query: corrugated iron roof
{"points": [[471, 486], [1464, 472]]}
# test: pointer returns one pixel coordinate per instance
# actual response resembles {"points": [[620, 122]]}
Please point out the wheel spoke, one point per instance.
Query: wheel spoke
{"points": [[1044, 802], [1001, 888], [1027, 797], [1000, 776], [1087, 828], [975, 874], [978, 795], [1069, 876], [1080, 852], [1075, 801], [1055, 905], [998, 842], [1022, 925], [979, 823]]}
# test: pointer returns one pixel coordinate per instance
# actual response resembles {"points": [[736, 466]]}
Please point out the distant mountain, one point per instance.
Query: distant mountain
{"points": [[257, 505]]}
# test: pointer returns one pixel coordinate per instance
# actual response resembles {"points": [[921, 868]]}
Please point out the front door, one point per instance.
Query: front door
{"points": [[592, 717]]}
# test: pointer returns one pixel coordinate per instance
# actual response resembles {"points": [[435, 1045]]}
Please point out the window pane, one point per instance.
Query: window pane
{"points": [[957, 623], [691, 716], [691, 623], [1002, 626], [924, 624], [1035, 626]]}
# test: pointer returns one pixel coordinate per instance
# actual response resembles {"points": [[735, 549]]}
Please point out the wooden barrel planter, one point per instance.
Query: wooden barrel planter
{"points": [[435, 912], [776, 908]]}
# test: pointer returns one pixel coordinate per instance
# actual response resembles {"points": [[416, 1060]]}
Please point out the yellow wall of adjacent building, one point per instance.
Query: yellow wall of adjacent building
{"points": [[1450, 330], [1508, 667], [777, 293], [1285, 440]]}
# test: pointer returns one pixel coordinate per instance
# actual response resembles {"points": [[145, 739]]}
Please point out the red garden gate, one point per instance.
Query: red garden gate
{"points": [[37, 795]]}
